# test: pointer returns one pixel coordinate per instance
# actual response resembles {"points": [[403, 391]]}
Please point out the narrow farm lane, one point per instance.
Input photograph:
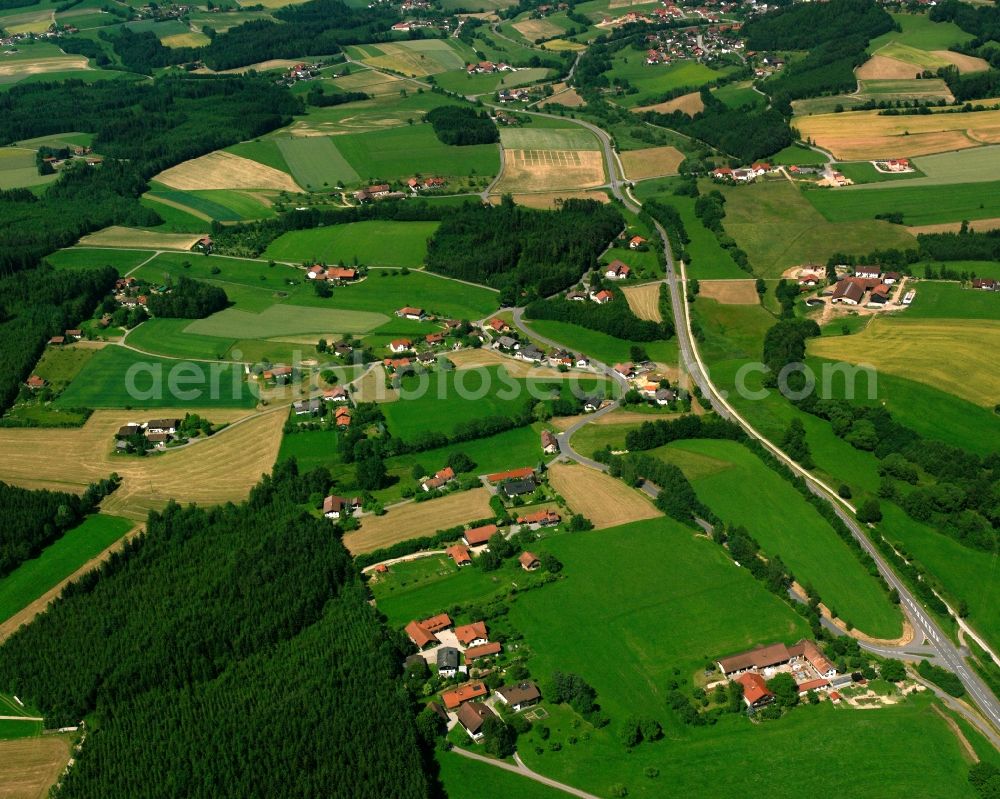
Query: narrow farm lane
{"points": [[524, 771]]}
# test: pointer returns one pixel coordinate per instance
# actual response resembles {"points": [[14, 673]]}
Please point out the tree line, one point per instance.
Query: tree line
{"points": [[268, 628], [521, 251], [461, 126], [188, 299], [614, 318]]}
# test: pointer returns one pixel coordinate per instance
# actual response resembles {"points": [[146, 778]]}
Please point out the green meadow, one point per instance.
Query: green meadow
{"points": [[461, 81], [18, 169], [744, 491], [602, 346], [939, 300], [373, 243], [87, 258], [119, 378], [315, 161], [463, 777], [919, 31], [58, 561], [738, 95], [919, 205], [797, 154], [655, 81]]}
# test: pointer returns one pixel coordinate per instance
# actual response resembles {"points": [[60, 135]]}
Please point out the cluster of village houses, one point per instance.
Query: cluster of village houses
{"points": [[700, 44], [643, 378], [157, 432], [455, 650], [868, 286], [804, 661], [743, 174], [384, 191]]}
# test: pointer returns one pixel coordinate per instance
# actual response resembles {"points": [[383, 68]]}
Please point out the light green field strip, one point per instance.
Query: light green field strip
{"points": [[316, 161], [285, 320], [547, 139]]}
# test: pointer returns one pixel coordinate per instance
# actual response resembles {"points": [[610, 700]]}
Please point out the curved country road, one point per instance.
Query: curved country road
{"points": [[523, 771]]}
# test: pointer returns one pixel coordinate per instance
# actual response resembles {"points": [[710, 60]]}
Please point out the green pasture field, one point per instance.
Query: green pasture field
{"points": [[976, 165], [413, 57], [655, 81], [167, 337], [264, 151], [924, 59], [464, 83], [59, 140], [280, 280], [706, 257], [284, 320], [103, 383], [18, 169], [592, 437], [737, 95], [796, 154], [920, 205], [601, 346], [382, 243], [973, 268], [59, 365], [58, 561], [436, 295], [749, 493], [223, 21], [865, 172], [938, 300], [14, 729], [401, 152], [217, 204], [315, 161], [966, 574], [917, 30], [778, 227], [175, 220], [88, 258], [536, 138], [463, 777]]}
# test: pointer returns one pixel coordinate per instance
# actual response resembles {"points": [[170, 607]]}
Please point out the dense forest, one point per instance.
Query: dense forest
{"points": [[188, 299], [37, 305], [141, 129], [518, 249], [318, 27], [615, 318], [458, 125], [234, 644], [34, 519], [834, 36], [966, 245]]}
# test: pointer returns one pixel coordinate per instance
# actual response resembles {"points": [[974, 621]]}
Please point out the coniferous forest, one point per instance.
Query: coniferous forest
{"points": [[235, 645]]}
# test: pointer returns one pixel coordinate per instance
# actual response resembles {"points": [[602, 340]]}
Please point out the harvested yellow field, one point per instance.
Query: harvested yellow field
{"points": [[416, 519], [534, 29], [978, 225], [372, 387], [864, 135], [218, 469], [652, 162], [30, 766], [644, 301], [562, 95], [607, 502], [552, 199], [690, 104], [946, 354], [129, 238], [24, 68], [190, 39], [880, 67], [965, 63], [730, 292], [222, 170], [562, 45], [550, 170]]}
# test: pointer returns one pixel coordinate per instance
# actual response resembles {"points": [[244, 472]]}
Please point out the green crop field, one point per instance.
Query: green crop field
{"points": [[862, 172], [175, 220], [18, 170], [119, 378], [401, 152], [737, 95], [779, 227], [919, 205], [917, 30], [937, 300], [12, 729], [168, 337], [602, 346], [58, 561], [284, 320], [535, 138], [655, 81], [797, 154], [466, 84], [278, 280], [264, 151], [203, 205], [749, 493], [315, 161], [372, 243], [87, 258], [976, 165], [931, 89]]}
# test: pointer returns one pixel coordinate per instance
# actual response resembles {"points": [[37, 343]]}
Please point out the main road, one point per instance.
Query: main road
{"points": [[925, 626]]}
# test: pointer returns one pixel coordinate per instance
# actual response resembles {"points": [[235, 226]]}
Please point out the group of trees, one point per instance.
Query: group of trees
{"points": [[34, 519], [188, 299], [268, 623], [614, 318], [36, 306], [784, 345], [461, 125], [522, 250], [966, 245]]}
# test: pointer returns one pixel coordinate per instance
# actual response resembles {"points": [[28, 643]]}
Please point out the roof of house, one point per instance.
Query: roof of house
{"points": [[455, 697], [811, 652], [459, 553], [408, 311], [437, 623], [336, 391], [520, 693], [538, 517], [473, 715], [35, 381], [476, 652], [447, 657], [447, 473], [401, 344], [341, 273], [602, 295], [754, 687], [527, 559], [759, 658], [617, 266], [549, 439], [163, 423], [812, 685], [514, 488], [848, 289], [468, 633], [511, 474], [479, 535], [419, 635]]}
